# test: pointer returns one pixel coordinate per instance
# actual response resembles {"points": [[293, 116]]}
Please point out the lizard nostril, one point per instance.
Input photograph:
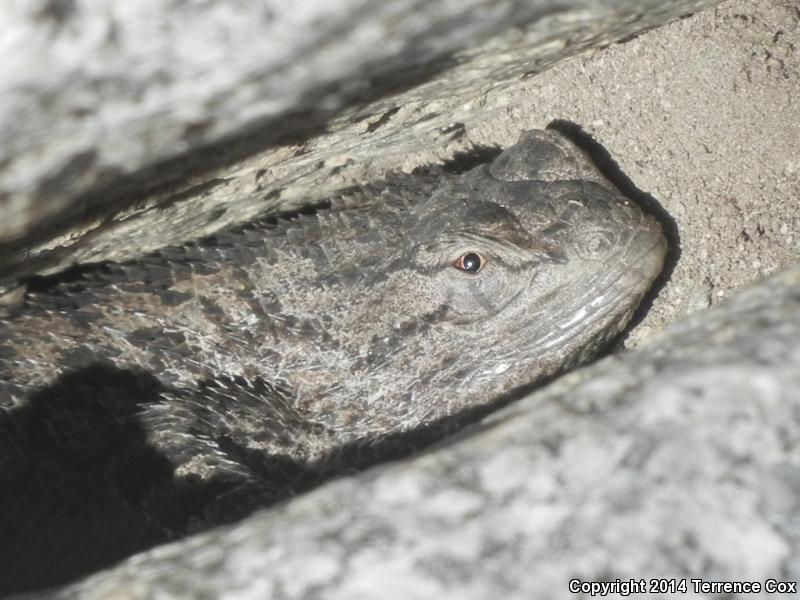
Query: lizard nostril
{"points": [[597, 244]]}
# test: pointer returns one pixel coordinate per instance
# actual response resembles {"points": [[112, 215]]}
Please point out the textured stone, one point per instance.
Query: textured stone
{"points": [[677, 460], [109, 110], [701, 114]]}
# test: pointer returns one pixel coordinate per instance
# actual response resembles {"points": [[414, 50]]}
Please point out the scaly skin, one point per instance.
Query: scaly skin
{"points": [[193, 385]]}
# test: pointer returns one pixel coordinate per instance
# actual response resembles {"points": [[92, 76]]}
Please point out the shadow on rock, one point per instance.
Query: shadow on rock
{"points": [[75, 470], [83, 485]]}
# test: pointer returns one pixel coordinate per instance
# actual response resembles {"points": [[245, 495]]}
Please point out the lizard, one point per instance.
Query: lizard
{"points": [[148, 399]]}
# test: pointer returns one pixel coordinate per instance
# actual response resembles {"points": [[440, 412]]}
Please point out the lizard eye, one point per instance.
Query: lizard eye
{"points": [[470, 262]]}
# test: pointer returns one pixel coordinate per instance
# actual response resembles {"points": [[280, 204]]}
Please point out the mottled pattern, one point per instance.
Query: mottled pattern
{"points": [[678, 461], [148, 399]]}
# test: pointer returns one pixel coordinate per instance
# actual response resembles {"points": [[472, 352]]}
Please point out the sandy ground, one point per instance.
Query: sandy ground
{"points": [[703, 116], [700, 119]]}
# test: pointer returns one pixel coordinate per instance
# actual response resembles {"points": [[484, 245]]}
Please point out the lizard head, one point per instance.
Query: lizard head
{"points": [[512, 272]]}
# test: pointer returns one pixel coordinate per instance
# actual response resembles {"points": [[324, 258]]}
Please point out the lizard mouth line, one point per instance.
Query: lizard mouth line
{"points": [[603, 298]]}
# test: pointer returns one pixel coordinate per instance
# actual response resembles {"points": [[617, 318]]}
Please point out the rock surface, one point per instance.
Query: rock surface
{"points": [[110, 110], [699, 116], [678, 460]]}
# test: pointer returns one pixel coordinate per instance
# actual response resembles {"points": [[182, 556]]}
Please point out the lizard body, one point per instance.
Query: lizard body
{"points": [[195, 384]]}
